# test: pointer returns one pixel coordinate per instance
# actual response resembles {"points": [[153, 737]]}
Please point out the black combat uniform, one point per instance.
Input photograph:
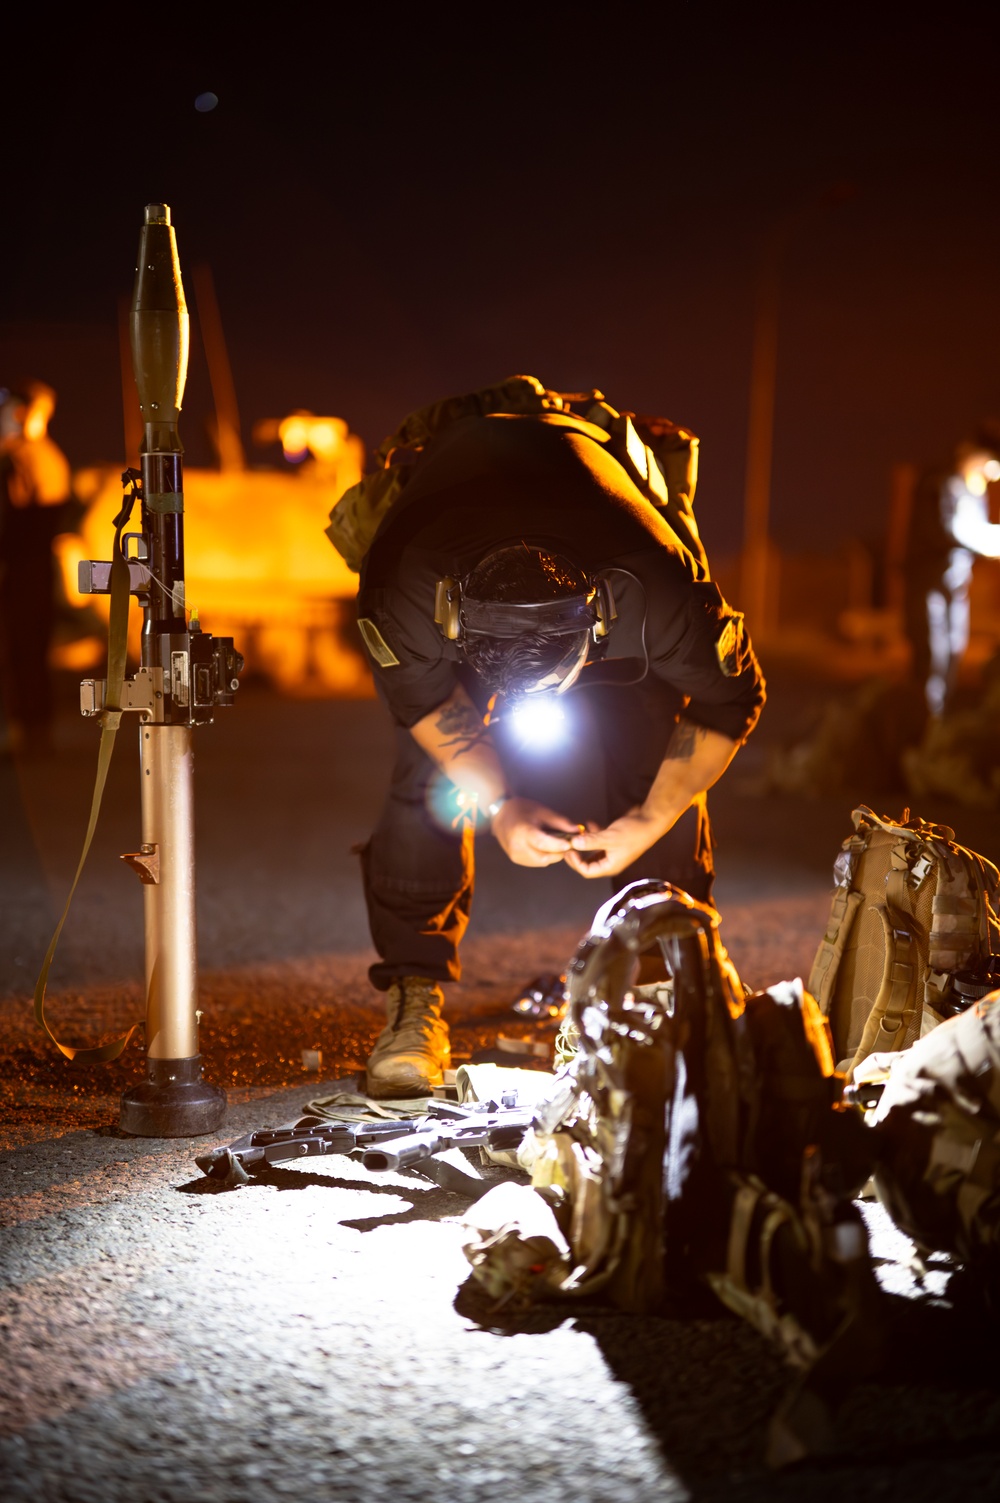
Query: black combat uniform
{"points": [[549, 481]]}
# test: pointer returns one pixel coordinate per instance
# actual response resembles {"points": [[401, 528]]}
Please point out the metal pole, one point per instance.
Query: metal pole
{"points": [[167, 764]]}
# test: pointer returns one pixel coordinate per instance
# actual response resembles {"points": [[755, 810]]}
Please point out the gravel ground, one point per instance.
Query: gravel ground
{"points": [[317, 1334]]}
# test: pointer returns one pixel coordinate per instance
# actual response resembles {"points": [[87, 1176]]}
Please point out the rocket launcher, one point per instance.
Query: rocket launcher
{"points": [[185, 674]]}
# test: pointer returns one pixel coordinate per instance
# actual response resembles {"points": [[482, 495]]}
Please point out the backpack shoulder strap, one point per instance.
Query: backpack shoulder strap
{"points": [[843, 911], [823, 976], [674, 451], [890, 1022]]}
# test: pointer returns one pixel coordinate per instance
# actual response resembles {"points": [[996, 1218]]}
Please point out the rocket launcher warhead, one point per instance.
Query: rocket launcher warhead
{"points": [[160, 332]]}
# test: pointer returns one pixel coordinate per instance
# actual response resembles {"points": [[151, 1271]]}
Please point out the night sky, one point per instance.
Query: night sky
{"points": [[398, 205]]}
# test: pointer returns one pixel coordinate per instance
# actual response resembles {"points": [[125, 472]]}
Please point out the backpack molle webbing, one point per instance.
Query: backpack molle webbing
{"points": [[912, 908]]}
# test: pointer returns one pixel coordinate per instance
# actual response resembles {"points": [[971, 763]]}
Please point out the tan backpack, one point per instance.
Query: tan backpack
{"points": [[913, 935], [660, 457]]}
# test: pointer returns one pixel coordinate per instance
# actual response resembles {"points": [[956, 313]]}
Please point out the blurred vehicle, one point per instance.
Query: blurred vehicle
{"points": [[260, 568]]}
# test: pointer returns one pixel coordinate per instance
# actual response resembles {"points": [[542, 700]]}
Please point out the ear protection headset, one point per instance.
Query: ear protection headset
{"points": [[457, 614]]}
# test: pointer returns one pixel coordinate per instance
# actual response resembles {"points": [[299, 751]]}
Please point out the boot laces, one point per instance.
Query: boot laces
{"points": [[418, 1016]]}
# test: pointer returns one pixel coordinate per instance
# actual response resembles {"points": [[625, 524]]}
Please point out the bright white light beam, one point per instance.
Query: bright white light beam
{"points": [[539, 723]]}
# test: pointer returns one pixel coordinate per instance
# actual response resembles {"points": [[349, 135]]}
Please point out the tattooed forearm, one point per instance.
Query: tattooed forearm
{"points": [[684, 742], [460, 724], [695, 758]]}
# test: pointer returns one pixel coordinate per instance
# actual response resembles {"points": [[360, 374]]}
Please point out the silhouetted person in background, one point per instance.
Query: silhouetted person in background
{"points": [[949, 528], [35, 505]]}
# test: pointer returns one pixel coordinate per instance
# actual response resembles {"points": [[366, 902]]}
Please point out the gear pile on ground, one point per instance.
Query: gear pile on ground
{"points": [[697, 1137]]}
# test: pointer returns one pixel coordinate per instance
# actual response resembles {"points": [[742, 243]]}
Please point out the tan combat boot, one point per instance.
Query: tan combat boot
{"points": [[410, 1054]]}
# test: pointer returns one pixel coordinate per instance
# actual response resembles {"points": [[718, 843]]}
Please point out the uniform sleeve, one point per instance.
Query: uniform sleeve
{"points": [[699, 645], [413, 668]]}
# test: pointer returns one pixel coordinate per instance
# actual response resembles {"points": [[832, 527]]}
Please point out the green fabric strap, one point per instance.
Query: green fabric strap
{"points": [[110, 719]]}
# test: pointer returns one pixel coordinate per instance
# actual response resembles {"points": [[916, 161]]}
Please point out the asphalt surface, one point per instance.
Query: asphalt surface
{"points": [[318, 1335]]}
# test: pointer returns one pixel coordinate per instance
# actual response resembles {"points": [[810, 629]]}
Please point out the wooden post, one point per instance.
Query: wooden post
{"points": [[902, 484], [755, 575]]}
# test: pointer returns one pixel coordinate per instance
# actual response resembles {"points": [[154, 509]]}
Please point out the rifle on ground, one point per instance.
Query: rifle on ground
{"points": [[382, 1145]]}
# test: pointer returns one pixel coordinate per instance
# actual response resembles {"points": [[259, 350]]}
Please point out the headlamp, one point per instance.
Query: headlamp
{"points": [[539, 721], [536, 699]]}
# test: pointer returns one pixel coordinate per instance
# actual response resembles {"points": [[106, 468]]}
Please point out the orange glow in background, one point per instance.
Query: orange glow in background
{"points": [[259, 567]]}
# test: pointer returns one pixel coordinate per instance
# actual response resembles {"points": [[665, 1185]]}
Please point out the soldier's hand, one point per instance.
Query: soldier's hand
{"points": [[605, 853], [531, 834]]}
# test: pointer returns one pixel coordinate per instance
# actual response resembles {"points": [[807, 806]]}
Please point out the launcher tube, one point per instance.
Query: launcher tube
{"points": [[167, 764]]}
